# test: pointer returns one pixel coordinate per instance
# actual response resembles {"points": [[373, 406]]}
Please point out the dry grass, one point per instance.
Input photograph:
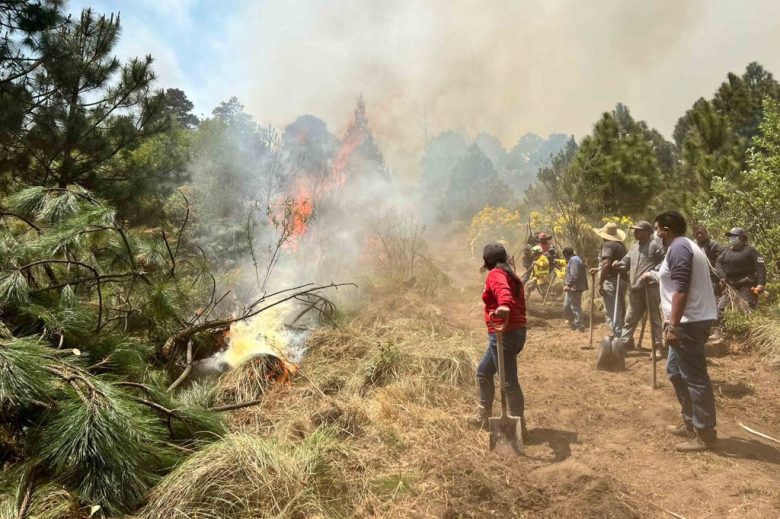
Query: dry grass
{"points": [[355, 434], [246, 475], [765, 336]]}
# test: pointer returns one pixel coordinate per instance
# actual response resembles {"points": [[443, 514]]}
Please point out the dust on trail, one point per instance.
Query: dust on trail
{"points": [[598, 447]]}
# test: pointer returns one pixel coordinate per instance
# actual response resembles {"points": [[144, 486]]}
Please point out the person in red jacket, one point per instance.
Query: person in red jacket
{"points": [[505, 306]]}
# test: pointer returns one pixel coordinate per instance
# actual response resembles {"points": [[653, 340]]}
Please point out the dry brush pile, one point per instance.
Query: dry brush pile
{"points": [[366, 417]]}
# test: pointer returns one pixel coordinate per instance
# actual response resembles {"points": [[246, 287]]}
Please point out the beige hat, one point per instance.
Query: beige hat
{"points": [[611, 232]]}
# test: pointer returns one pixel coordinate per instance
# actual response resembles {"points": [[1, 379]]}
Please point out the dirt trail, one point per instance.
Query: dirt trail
{"points": [[598, 446]]}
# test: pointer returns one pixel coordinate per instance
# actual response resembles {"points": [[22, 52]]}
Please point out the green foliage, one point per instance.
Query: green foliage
{"points": [[100, 299], [105, 445], [751, 202], [383, 365], [713, 136], [736, 322], [616, 169], [24, 379]]}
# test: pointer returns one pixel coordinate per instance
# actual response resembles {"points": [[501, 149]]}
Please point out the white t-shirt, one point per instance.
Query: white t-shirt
{"points": [[686, 269]]}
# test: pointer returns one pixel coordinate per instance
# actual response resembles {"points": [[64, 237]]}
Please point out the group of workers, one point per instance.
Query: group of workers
{"points": [[681, 284]]}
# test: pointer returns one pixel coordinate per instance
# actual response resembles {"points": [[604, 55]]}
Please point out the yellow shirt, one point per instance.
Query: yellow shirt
{"points": [[541, 268]]}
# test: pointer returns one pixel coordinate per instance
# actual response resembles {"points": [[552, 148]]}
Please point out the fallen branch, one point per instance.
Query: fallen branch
{"points": [[760, 434], [233, 407], [25, 504], [187, 368], [175, 339]]}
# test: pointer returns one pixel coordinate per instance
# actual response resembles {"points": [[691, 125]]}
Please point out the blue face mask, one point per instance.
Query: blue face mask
{"points": [[733, 240]]}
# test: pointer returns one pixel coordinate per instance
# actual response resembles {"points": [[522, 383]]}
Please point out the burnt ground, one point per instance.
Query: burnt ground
{"points": [[598, 447]]}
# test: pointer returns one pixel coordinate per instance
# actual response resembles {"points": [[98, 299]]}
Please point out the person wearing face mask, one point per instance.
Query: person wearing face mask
{"points": [[645, 255], [712, 249], [689, 310], [741, 267]]}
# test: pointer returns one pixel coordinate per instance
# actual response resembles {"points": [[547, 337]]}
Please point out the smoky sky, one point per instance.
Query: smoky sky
{"points": [[499, 66]]}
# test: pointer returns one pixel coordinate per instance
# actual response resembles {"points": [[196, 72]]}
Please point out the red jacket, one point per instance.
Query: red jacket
{"points": [[499, 290]]}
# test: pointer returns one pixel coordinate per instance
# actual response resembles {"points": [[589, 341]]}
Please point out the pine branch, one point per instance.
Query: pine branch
{"points": [[172, 341], [72, 262]]}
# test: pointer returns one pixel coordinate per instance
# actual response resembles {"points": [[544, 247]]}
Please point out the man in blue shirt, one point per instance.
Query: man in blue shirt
{"points": [[574, 284]]}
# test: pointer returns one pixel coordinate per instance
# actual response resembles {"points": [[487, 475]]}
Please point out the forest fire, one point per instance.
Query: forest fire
{"points": [[263, 336]]}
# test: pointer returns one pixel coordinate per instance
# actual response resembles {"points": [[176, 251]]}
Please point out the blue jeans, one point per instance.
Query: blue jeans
{"points": [[687, 370], [610, 298], [572, 308], [513, 344]]}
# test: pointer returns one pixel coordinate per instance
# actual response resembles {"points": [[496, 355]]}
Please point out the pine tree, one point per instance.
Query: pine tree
{"points": [[473, 184], [88, 107], [616, 169]]}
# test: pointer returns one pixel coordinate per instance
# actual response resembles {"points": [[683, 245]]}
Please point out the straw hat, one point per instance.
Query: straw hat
{"points": [[611, 232]]}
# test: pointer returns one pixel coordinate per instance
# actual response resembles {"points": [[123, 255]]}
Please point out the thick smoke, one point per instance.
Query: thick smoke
{"points": [[504, 67]]}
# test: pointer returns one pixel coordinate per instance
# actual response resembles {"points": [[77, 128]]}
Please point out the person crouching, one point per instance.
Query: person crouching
{"points": [[504, 301]]}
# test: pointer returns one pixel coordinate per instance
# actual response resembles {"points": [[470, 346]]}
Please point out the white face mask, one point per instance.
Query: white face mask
{"points": [[658, 235], [733, 240]]}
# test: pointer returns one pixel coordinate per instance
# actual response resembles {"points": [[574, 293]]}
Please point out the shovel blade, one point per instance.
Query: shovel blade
{"points": [[506, 435], [619, 353], [604, 359]]}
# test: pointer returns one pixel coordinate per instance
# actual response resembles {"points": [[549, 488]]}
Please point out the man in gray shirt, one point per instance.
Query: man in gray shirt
{"points": [[689, 309], [645, 255]]}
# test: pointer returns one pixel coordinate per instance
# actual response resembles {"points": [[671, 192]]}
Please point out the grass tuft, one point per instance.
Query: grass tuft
{"points": [[245, 475]]}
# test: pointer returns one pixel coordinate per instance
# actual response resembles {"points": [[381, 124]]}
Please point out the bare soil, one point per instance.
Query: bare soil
{"points": [[598, 445]]}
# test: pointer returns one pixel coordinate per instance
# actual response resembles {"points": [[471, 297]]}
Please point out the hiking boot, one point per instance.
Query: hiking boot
{"points": [[696, 444], [683, 429], [480, 420]]}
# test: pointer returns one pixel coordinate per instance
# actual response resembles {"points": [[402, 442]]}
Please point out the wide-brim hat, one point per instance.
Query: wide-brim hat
{"points": [[611, 232]]}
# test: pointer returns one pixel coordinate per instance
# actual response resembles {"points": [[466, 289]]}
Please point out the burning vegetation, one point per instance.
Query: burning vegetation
{"points": [[181, 330]]}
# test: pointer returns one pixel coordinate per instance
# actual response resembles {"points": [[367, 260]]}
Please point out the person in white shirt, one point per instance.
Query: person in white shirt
{"points": [[689, 308]]}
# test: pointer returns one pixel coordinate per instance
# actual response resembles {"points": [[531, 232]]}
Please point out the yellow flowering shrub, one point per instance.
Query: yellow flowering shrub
{"points": [[493, 224]]}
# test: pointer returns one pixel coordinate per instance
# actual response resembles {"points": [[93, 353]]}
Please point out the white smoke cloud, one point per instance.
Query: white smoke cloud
{"points": [[506, 67]]}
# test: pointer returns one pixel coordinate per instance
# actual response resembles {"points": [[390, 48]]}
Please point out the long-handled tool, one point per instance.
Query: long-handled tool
{"points": [[642, 331], [653, 335], [612, 355], [592, 310], [549, 287], [505, 430]]}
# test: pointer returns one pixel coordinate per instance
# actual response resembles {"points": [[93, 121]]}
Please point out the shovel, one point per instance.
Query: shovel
{"points": [[652, 336], [505, 431], [612, 355], [592, 309]]}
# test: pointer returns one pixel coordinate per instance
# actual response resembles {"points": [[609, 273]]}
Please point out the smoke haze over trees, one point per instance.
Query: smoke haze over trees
{"points": [[128, 220]]}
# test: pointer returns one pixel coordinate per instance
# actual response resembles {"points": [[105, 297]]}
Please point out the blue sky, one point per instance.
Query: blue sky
{"points": [[189, 40]]}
